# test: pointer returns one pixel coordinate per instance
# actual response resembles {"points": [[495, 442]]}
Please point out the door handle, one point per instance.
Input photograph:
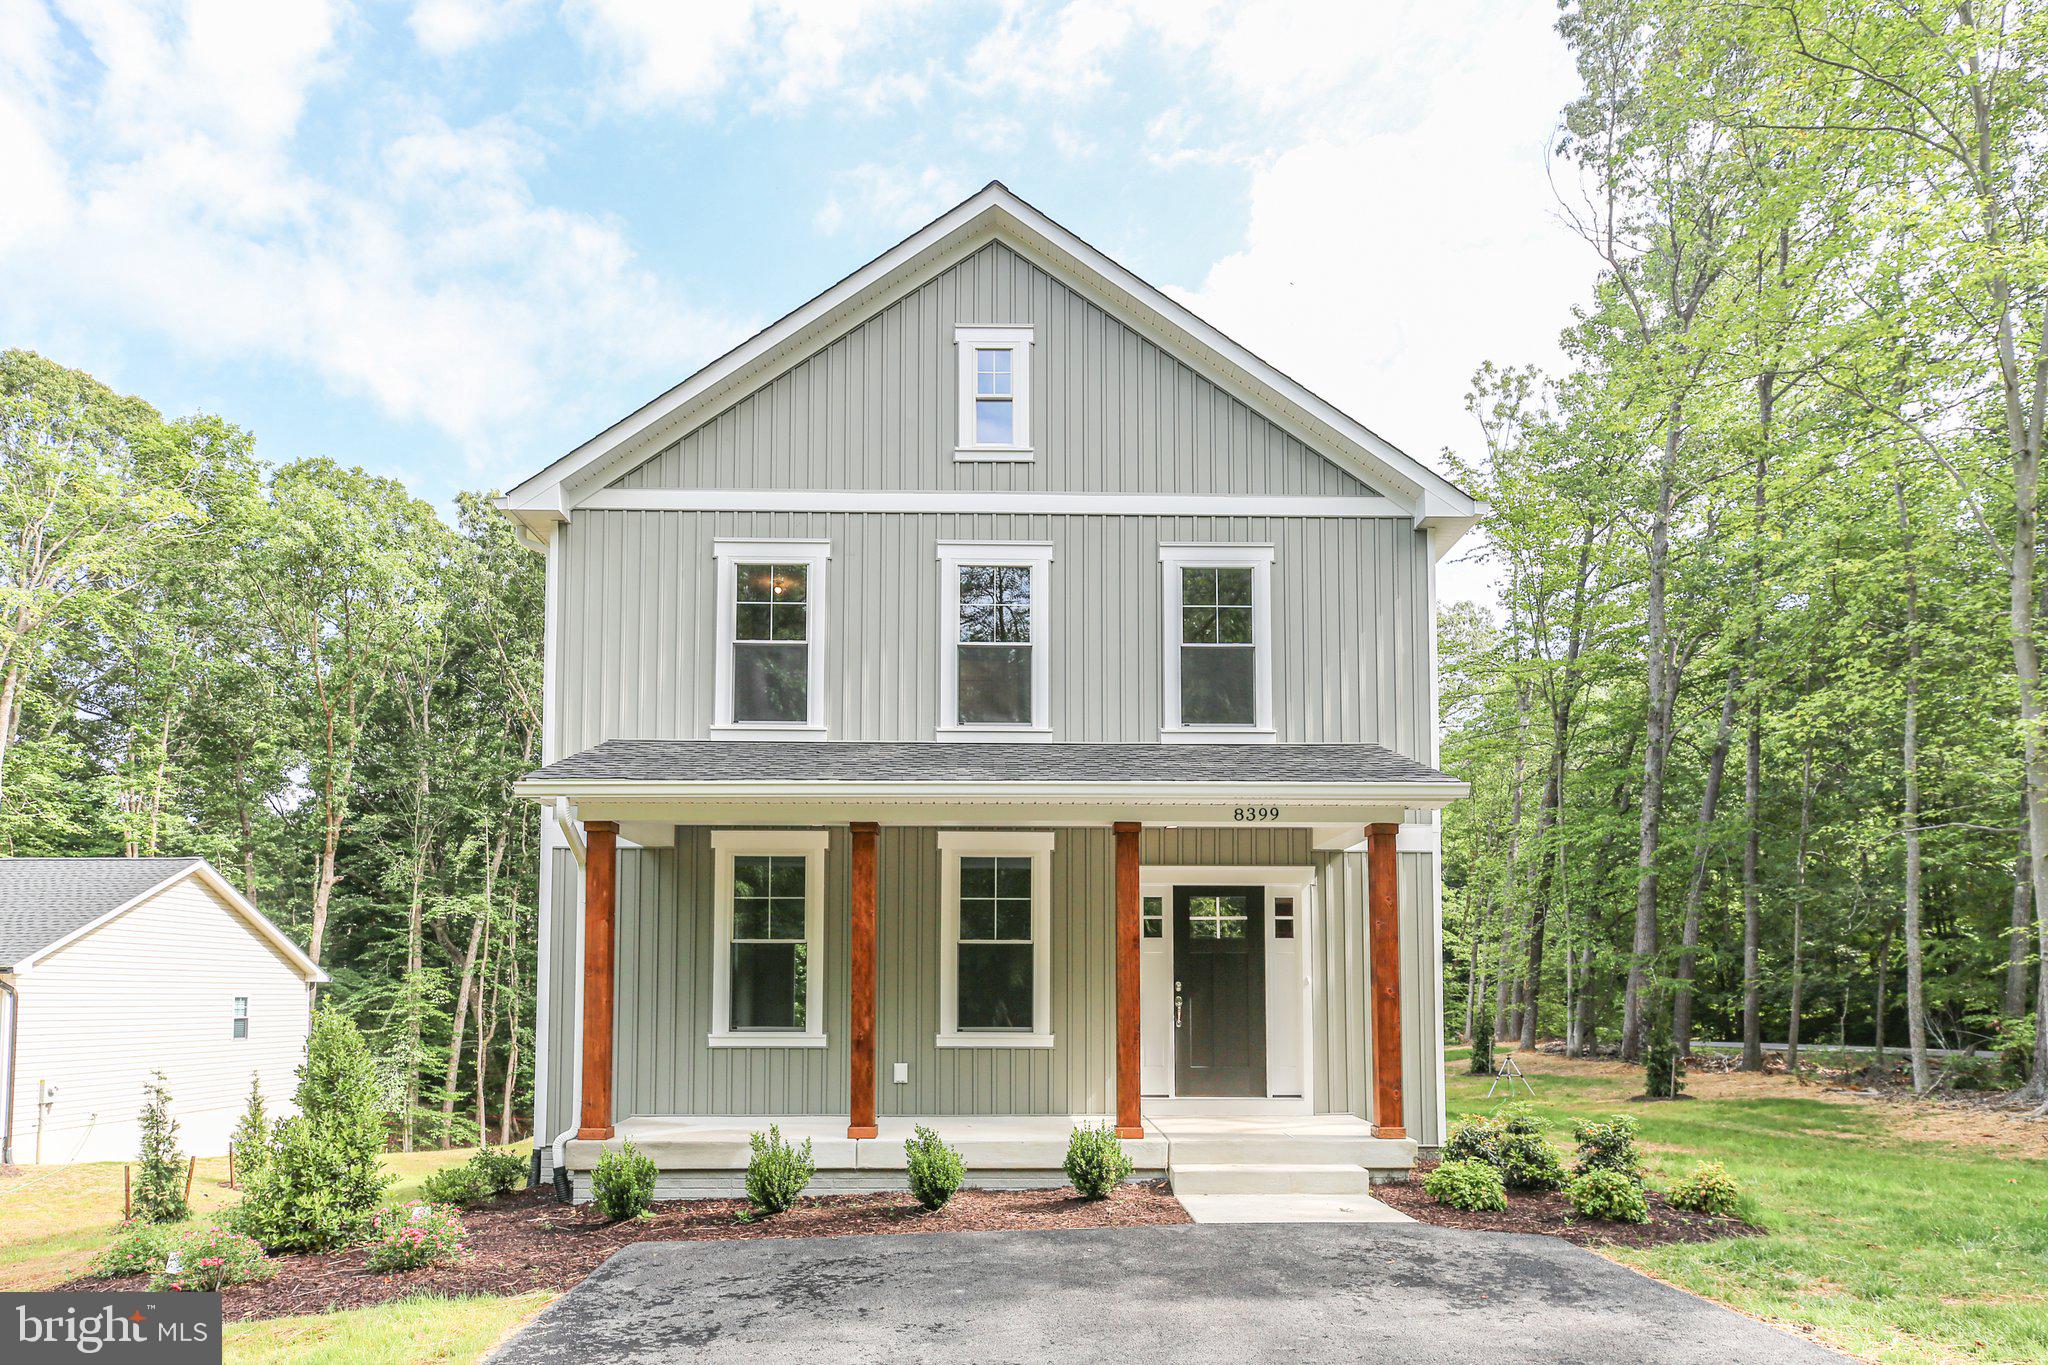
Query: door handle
{"points": [[1176, 1011]]}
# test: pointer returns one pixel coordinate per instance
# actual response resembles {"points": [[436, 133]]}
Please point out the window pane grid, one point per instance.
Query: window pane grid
{"points": [[771, 643], [993, 671], [1218, 664], [1217, 917], [995, 974], [770, 961]]}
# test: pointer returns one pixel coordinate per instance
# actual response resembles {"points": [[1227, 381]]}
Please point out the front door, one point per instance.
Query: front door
{"points": [[1219, 990]]}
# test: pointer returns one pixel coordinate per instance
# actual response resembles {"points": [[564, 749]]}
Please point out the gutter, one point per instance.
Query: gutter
{"points": [[13, 1049], [995, 793]]}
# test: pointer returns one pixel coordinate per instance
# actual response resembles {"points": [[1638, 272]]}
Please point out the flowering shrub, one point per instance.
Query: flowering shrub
{"points": [[205, 1260], [414, 1235], [139, 1248]]}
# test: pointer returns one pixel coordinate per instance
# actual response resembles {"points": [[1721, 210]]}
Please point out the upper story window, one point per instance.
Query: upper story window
{"points": [[993, 665], [769, 609], [1219, 652], [768, 928], [995, 948], [241, 1017], [995, 393]]}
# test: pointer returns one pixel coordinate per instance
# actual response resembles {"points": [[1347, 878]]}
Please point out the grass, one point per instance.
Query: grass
{"points": [[55, 1219], [1891, 1246]]}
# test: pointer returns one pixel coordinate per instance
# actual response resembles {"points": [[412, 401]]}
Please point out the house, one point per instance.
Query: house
{"points": [[113, 968], [989, 695]]}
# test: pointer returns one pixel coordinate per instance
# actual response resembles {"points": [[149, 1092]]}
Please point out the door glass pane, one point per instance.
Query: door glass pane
{"points": [[1217, 685], [1153, 916], [1217, 917]]}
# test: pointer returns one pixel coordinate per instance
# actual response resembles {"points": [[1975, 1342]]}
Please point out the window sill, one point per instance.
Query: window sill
{"points": [[1216, 734], [984, 734], [998, 454], [794, 732], [765, 1040], [1011, 1040]]}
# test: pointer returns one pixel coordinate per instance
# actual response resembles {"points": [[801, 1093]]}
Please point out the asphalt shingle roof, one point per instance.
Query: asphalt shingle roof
{"points": [[687, 760], [43, 899]]}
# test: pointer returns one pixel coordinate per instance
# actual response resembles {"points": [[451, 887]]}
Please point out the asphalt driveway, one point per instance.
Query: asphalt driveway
{"points": [[1219, 1292]]}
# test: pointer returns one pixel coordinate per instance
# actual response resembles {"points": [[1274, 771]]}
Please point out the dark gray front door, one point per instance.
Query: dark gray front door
{"points": [[1219, 988]]}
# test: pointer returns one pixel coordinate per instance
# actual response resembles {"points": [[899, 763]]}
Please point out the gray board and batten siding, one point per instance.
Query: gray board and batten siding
{"points": [[664, 1065]]}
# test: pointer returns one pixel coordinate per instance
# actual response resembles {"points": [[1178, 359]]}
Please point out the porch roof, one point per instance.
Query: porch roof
{"points": [[728, 761]]}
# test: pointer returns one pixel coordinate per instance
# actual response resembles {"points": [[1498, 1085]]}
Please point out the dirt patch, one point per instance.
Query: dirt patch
{"points": [[527, 1241], [1549, 1215]]}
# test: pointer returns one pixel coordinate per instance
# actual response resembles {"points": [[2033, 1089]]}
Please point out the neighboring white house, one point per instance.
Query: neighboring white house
{"points": [[112, 968]]}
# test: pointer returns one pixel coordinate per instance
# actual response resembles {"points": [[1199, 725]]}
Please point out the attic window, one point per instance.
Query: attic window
{"points": [[995, 393], [241, 1016]]}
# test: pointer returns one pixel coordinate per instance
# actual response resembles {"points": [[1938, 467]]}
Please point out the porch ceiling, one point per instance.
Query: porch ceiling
{"points": [[691, 781]]}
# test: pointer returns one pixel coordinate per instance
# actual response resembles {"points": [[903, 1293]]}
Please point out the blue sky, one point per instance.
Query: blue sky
{"points": [[447, 240]]}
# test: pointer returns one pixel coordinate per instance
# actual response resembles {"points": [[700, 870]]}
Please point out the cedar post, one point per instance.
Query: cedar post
{"points": [[861, 1118], [600, 918], [1384, 940], [1128, 1123]]}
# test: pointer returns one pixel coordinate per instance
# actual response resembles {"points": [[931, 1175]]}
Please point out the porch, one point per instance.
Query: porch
{"points": [[703, 1158]]}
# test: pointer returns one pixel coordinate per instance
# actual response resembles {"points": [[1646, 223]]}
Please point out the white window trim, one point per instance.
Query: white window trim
{"points": [[730, 553], [725, 845], [953, 846], [1034, 555], [1016, 339], [1175, 556]]}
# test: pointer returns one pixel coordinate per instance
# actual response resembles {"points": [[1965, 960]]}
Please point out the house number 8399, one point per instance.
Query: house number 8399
{"points": [[1246, 814]]}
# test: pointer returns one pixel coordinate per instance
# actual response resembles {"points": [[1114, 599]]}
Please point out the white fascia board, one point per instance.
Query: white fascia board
{"points": [[1417, 794], [995, 211], [220, 885], [970, 501]]}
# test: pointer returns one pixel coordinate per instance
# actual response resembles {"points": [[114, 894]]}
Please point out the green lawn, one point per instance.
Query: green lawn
{"points": [[1890, 1246]]}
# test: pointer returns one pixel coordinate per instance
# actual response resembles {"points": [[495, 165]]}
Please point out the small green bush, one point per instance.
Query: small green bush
{"points": [[139, 1248], [1609, 1195], [251, 1140], [1511, 1141], [414, 1236], [462, 1186], [1663, 1068], [1709, 1189], [504, 1171], [206, 1260], [623, 1183], [935, 1169], [159, 1166], [1466, 1185], [1530, 1162], [1608, 1145], [1482, 1042], [777, 1173], [1096, 1161]]}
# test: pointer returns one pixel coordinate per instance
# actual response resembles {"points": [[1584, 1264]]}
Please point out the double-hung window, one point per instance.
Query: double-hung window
{"points": [[1219, 650], [770, 626], [993, 654], [995, 393], [240, 1024], [768, 928], [995, 941]]}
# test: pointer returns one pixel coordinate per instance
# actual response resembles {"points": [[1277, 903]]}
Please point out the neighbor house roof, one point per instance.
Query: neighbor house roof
{"points": [[47, 902], [695, 761], [551, 495]]}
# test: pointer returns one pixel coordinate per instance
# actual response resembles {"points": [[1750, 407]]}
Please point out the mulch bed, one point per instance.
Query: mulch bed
{"points": [[1550, 1215], [527, 1241]]}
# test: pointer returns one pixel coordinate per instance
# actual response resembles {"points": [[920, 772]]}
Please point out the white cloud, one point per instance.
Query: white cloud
{"points": [[875, 198], [786, 53], [447, 27]]}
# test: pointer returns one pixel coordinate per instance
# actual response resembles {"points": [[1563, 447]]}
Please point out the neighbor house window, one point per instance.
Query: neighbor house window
{"points": [[769, 632], [993, 665], [995, 942], [1218, 641], [768, 925], [995, 393], [241, 1017]]}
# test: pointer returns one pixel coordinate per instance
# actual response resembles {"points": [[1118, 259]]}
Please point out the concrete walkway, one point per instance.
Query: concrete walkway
{"points": [[1223, 1293]]}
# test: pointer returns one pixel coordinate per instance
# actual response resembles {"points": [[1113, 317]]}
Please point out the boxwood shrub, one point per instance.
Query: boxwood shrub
{"points": [[1466, 1185], [1709, 1189], [622, 1185], [935, 1170], [1096, 1161], [1609, 1195], [778, 1172]]}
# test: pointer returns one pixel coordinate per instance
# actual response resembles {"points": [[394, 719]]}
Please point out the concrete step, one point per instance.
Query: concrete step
{"points": [[1256, 1149], [1271, 1178]]}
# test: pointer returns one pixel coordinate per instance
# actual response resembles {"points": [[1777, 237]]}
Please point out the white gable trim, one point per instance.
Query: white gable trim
{"points": [[220, 886], [551, 495]]}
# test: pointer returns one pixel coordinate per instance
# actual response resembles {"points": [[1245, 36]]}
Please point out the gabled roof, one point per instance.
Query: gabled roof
{"points": [[551, 495], [46, 903]]}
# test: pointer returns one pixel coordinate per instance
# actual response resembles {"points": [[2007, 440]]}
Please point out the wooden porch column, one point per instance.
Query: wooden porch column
{"points": [[1383, 937], [861, 1118], [600, 918], [1128, 1124]]}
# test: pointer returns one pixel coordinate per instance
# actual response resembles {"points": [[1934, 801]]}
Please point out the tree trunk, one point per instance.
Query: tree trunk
{"points": [[2017, 944], [1877, 1056], [1799, 913], [1688, 956], [1909, 813]]}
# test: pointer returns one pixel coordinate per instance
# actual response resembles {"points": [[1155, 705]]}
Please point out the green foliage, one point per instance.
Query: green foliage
{"points": [[487, 1174], [1663, 1067], [935, 1169], [504, 1170], [1482, 1042], [1608, 1145], [777, 1172], [622, 1185], [1608, 1195], [1096, 1161], [207, 1260], [1511, 1141], [415, 1235], [323, 1183], [139, 1248], [252, 1136], [1709, 1189], [159, 1187], [1466, 1185]]}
